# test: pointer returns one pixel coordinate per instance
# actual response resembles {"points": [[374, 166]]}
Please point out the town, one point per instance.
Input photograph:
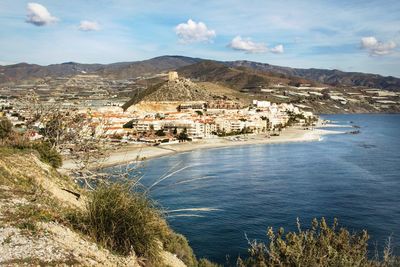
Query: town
{"points": [[173, 121], [101, 102]]}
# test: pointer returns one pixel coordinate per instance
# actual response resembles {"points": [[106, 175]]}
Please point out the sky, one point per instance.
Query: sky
{"points": [[347, 35]]}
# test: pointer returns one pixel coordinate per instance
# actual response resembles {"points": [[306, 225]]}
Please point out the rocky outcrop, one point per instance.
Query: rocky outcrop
{"points": [[180, 89]]}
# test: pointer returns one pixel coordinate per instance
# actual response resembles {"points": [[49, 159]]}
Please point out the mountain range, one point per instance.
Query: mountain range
{"points": [[237, 74]]}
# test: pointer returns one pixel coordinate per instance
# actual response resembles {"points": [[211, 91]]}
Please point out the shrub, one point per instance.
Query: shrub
{"points": [[178, 245], [160, 132], [48, 154], [199, 112], [128, 125], [121, 221], [18, 141], [5, 128], [206, 263], [183, 136], [319, 246]]}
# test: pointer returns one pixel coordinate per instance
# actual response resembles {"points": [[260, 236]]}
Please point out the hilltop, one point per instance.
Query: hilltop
{"points": [[179, 90], [182, 89]]}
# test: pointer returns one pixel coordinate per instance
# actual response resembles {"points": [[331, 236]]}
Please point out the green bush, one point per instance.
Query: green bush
{"points": [[206, 263], [321, 245], [121, 221], [183, 136], [160, 132], [5, 128], [48, 154], [178, 245]]}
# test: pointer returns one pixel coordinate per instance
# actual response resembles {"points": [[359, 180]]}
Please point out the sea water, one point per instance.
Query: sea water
{"points": [[223, 195]]}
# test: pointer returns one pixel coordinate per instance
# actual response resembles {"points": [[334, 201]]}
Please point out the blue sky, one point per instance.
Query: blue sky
{"points": [[347, 35]]}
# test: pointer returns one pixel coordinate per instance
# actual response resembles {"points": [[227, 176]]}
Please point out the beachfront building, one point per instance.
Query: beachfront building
{"points": [[195, 128], [221, 117], [202, 129], [146, 124], [229, 124]]}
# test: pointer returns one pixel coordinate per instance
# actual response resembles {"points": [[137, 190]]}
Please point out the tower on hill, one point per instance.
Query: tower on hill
{"points": [[172, 76]]}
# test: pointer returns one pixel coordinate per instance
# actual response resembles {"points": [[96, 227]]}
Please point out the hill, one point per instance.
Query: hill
{"points": [[239, 78], [184, 89], [331, 77], [121, 70], [146, 67], [179, 90], [236, 74], [24, 71]]}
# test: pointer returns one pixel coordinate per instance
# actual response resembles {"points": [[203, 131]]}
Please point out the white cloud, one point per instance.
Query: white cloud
{"points": [[368, 42], [38, 15], [192, 32], [377, 48], [87, 26], [247, 45], [277, 49]]}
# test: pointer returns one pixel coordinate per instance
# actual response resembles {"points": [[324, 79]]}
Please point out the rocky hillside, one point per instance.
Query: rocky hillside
{"points": [[35, 202], [238, 78], [121, 70], [146, 67], [233, 73], [178, 90], [331, 77], [24, 71], [184, 89]]}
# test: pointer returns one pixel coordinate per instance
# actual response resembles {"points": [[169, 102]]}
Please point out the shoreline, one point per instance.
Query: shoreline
{"points": [[132, 153]]}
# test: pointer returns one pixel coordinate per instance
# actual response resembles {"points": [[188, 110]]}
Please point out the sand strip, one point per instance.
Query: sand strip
{"points": [[131, 153]]}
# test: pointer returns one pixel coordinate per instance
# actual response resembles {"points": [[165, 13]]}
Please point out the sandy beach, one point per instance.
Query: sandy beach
{"points": [[130, 153]]}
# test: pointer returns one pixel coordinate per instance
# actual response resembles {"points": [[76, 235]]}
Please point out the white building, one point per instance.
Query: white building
{"points": [[201, 130], [261, 104]]}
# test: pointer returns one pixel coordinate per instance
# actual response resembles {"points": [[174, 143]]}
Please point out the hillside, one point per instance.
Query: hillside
{"points": [[23, 71], [121, 70], [236, 74], [331, 77], [179, 90], [185, 90], [36, 214], [146, 67], [238, 78]]}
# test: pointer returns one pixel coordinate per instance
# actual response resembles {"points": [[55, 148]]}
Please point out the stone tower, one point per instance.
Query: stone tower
{"points": [[172, 76]]}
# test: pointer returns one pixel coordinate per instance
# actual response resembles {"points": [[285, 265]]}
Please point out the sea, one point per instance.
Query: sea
{"points": [[220, 199]]}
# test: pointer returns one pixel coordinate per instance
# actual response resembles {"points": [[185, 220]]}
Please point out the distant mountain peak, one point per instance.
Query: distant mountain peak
{"points": [[70, 63]]}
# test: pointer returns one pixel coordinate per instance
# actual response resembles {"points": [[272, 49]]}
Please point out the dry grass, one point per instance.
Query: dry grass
{"points": [[123, 221], [321, 245]]}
